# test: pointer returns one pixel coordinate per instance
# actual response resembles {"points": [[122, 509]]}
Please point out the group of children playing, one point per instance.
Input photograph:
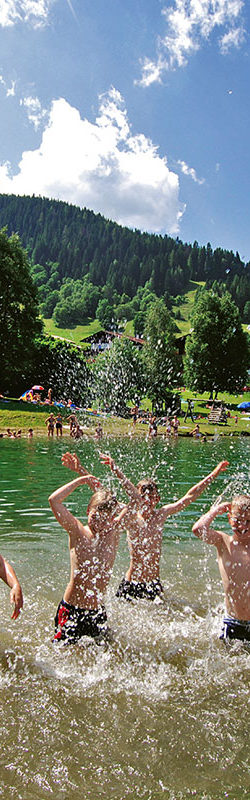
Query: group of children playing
{"points": [[16, 434], [93, 548]]}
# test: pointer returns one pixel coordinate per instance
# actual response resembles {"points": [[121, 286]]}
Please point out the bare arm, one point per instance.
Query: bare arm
{"points": [[8, 575], [129, 487], [202, 528], [72, 461], [192, 494], [62, 514]]}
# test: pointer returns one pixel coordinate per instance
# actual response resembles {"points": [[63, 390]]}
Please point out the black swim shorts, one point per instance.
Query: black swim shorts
{"points": [[73, 622], [235, 629], [140, 589]]}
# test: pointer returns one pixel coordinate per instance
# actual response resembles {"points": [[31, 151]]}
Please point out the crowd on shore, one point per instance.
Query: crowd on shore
{"points": [[63, 418]]}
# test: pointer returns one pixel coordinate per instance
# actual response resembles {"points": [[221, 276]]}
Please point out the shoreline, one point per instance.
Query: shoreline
{"points": [[27, 416], [117, 429]]}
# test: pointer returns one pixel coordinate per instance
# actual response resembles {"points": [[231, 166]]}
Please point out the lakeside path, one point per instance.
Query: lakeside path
{"points": [[15, 418]]}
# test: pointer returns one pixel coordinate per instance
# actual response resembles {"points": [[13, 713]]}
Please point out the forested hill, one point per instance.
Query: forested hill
{"points": [[82, 242]]}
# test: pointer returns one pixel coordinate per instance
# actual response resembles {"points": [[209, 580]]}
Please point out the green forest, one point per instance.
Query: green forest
{"points": [[83, 263]]}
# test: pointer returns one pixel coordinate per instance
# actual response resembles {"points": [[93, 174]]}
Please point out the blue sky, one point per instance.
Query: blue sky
{"points": [[139, 110]]}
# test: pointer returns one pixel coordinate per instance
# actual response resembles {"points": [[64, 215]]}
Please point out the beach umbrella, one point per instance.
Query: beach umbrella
{"points": [[246, 404], [38, 388]]}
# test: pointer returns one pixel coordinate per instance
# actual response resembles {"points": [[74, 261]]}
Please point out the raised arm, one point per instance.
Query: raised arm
{"points": [[192, 494], [129, 487], [8, 575], [72, 461], [62, 514], [202, 528]]}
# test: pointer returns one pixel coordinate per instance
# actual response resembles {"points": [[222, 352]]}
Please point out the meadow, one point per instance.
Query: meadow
{"points": [[17, 414]]}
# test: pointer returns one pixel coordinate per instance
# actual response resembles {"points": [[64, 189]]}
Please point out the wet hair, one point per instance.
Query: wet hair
{"points": [[241, 502], [103, 500], [147, 485]]}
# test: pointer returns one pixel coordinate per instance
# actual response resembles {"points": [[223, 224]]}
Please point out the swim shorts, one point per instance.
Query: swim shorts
{"points": [[73, 622], [140, 589], [235, 629]]}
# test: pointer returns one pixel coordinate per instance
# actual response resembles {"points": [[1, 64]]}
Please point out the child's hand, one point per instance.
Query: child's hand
{"points": [[106, 459], [71, 461], [222, 466], [222, 508], [16, 597]]}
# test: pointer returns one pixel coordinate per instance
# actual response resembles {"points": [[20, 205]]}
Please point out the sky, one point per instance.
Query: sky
{"points": [[137, 109]]}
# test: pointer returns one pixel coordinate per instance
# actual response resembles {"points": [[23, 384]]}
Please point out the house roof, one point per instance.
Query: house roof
{"points": [[107, 335]]}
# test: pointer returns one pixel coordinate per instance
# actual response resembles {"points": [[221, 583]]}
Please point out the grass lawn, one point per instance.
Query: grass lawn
{"points": [[15, 414], [186, 307], [72, 335]]}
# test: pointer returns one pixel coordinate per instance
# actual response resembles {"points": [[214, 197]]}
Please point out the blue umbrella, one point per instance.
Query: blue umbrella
{"points": [[246, 404]]}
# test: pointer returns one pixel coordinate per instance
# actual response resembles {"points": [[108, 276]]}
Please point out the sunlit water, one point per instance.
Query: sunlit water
{"points": [[163, 712]]}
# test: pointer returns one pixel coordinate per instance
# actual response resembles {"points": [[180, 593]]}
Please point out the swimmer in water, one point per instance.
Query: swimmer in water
{"points": [[233, 554], [92, 553], [144, 532], [8, 575]]}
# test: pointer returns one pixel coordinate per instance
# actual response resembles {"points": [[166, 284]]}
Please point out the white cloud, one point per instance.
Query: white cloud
{"points": [[11, 90], [33, 11], [233, 38], [189, 23], [190, 172], [36, 114], [100, 165]]}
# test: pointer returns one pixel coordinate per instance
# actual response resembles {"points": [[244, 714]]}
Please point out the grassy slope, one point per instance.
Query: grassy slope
{"points": [[15, 415], [73, 335], [186, 307]]}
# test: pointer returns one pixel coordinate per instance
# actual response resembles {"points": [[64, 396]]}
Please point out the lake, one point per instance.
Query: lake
{"points": [[163, 712]]}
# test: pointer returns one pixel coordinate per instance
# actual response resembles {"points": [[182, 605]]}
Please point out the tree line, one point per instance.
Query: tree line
{"points": [[216, 359], [66, 244]]}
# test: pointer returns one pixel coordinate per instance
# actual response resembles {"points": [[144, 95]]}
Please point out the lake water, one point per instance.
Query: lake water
{"points": [[163, 712]]}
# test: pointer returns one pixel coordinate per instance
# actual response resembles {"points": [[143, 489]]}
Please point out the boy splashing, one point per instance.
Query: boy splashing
{"points": [[145, 528], [233, 554], [92, 553]]}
